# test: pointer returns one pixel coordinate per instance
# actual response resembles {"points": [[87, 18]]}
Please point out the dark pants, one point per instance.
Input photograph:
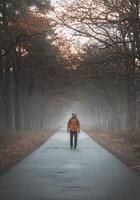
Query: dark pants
{"points": [[73, 135]]}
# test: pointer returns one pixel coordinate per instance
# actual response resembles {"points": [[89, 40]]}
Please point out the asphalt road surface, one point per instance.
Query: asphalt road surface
{"points": [[55, 172]]}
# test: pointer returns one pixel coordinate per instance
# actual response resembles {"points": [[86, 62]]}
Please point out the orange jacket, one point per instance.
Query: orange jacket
{"points": [[73, 125]]}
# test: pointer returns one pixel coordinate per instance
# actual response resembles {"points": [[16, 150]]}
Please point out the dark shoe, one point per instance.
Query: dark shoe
{"points": [[74, 147], [71, 147]]}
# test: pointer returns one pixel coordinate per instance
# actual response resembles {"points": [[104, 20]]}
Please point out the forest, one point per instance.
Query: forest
{"points": [[43, 77], [59, 57]]}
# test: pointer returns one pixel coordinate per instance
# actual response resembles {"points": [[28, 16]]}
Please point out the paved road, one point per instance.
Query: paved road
{"points": [[55, 172]]}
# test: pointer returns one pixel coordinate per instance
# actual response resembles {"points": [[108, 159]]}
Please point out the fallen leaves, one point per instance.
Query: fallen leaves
{"points": [[15, 147], [129, 153]]}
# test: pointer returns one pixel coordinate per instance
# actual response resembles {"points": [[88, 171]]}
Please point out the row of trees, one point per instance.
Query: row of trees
{"points": [[30, 64], [112, 57], [42, 77]]}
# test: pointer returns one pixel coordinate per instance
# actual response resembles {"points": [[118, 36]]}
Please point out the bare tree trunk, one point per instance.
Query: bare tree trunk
{"points": [[17, 105]]}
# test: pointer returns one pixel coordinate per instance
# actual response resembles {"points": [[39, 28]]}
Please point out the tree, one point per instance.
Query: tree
{"points": [[111, 25], [28, 61]]}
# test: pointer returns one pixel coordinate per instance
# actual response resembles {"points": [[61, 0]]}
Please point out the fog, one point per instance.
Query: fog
{"points": [[43, 80]]}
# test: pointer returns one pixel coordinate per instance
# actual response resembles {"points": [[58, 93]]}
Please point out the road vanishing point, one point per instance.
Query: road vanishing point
{"points": [[55, 172]]}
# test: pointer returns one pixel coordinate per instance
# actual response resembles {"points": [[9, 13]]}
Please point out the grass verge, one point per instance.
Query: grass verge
{"points": [[121, 145], [15, 147]]}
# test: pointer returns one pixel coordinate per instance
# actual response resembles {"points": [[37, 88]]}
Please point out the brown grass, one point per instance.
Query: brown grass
{"points": [[15, 147], [123, 145]]}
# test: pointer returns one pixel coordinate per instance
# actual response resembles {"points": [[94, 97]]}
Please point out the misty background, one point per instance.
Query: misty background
{"points": [[83, 57]]}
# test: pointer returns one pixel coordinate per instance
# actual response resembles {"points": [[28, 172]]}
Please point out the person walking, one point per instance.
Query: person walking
{"points": [[73, 127]]}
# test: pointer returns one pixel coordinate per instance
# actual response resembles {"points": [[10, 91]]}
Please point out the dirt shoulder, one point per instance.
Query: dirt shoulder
{"points": [[127, 151], [15, 147]]}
